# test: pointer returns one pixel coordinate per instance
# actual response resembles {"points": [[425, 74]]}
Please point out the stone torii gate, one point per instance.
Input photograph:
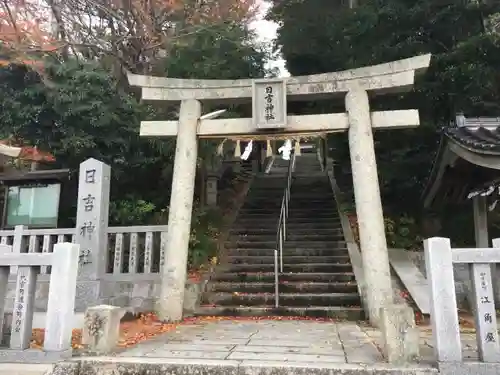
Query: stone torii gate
{"points": [[269, 98]]}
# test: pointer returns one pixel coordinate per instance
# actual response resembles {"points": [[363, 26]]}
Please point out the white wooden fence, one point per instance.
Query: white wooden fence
{"points": [[439, 260]]}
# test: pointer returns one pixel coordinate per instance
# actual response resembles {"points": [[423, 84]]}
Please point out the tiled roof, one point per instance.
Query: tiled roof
{"points": [[481, 135]]}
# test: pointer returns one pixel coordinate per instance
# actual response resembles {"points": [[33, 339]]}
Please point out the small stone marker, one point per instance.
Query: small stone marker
{"points": [[22, 316], [399, 334], [101, 329]]}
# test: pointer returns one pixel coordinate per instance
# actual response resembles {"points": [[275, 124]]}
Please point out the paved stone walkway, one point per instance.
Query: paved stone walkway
{"points": [[469, 346], [288, 341], [299, 342]]}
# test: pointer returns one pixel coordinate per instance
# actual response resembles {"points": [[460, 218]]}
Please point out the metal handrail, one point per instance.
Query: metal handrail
{"points": [[281, 230]]}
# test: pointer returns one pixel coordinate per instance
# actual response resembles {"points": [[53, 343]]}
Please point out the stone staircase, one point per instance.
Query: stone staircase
{"points": [[317, 278], [315, 248]]}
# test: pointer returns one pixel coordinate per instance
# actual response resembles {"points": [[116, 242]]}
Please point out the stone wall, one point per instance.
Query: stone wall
{"points": [[136, 293]]}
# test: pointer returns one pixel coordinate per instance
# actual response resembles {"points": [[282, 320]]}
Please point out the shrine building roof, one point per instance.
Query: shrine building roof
{"points": [[481, 135], [468, 159]]}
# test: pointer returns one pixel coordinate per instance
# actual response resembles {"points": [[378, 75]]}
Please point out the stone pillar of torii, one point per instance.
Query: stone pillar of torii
{"points": [[269, 97]]}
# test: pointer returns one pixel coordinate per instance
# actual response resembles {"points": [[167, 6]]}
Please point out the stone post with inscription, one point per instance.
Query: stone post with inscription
{"points": [[22, 316], [91, 228]]}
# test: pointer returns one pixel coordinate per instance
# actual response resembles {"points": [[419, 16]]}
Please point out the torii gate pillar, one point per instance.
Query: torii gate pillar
{"points": [[173, 281], [368, 204]]}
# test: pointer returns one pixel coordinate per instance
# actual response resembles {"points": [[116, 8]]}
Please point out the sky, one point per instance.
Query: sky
{"points": [[266, 31]]}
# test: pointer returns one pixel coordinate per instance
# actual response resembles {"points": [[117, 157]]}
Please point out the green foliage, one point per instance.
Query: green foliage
{"points": [[77, 110], [130, 211], [205, 229], [226, 51], [317, 36], [402, 232]]}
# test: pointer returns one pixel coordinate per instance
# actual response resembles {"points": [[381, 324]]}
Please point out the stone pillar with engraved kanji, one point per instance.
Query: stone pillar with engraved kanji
{"points": [[91, 229]]}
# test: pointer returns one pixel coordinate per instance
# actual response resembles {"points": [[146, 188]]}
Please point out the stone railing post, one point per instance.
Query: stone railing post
{"points": [[444, 317], [62, 293], [92, 227], [4, 285]]}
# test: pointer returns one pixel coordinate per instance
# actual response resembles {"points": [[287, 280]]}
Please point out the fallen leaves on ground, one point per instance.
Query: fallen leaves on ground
{"points": [[38, 336], [195, 276], [148, 326]]}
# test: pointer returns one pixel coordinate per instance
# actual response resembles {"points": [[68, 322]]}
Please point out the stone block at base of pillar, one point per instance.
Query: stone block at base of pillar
{"points": [[101, 328], [400, 335]]}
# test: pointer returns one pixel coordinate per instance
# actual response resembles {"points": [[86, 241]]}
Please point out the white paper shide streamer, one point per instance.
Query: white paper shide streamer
{"points": [[286, 150], [486, 193], [248, 151]]}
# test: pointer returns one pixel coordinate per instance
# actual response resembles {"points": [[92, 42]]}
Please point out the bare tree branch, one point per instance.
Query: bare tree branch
{"points": [[133, 32]]}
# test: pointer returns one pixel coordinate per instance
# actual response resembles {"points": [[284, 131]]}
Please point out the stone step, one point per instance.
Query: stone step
{"points": [[269, 277], [307, 165], [296, 231], [274, 183], [270, 219], [313, 200], [309, 185], [291, 236], [286, 361], [264, 196], [263, 192], [285, 299], [339, 312], [315, 225], [287, 259], [312, 220], [250, 212], [261, 201], [288, 245], [292, 208], [287, 268], [272, 227], [341, 251], [304, 204], [284, 287]]}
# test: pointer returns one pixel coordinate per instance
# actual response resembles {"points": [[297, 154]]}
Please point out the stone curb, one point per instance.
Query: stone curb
{"points": [[157, 366]]}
